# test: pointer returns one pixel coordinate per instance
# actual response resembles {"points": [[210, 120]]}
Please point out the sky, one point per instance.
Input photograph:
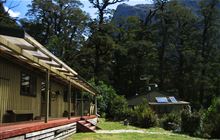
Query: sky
{"points": [[20, 7]]}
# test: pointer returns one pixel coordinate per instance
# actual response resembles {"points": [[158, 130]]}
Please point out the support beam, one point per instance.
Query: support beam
{"points": [[47, 95], [82, 105], [54, 65], [96, 106], [62, 70], [76, 104], [68, 74], [89, 107], [28, 48], [4, 41], [69, 101], [36, 44], [42, 57]]}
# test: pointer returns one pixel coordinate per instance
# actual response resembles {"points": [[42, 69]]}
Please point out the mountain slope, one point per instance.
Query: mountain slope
{"points": [[141, 10]]}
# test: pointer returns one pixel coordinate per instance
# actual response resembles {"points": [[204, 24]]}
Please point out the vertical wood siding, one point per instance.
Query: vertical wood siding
{"points": [[4, 86], [58, 106], [10, 98]]}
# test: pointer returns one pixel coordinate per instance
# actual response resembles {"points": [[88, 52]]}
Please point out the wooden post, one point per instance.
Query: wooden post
{"points": [[69, 101], [89, 107], [47, 95], [82, 106], [76, 104], [95, 105]]}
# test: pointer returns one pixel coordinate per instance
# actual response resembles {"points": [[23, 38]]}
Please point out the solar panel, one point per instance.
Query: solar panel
{"points": [[162, 99], [173, 99]]}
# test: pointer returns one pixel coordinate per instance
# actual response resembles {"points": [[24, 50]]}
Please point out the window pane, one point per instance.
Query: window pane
{"points": [[25, 83], [28, 84]]}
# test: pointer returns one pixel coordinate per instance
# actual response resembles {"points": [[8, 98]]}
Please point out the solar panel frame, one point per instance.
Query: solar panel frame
{"points": [[173, 99], [162, 99]]}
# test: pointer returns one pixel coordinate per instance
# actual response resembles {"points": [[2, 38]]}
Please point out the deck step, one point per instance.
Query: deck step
{"points": [[85, 126], [82, 122], [92, 127], [88, 124]]}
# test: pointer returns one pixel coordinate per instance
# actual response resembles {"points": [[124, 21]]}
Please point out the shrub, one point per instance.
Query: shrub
{"points": [[191, 123], [143, 116], [171, 121], [105, 96], [110, 105], [211, 122], [117, 108]]}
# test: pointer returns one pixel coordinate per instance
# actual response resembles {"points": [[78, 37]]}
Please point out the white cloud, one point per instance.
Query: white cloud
{"points": [[11, 12]]}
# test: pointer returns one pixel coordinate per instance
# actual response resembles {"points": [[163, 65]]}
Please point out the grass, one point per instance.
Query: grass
{"points": [[110, 125], [151, 134]]}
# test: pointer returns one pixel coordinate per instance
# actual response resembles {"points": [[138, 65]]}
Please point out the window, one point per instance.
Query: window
{"points": [[28, 84], [43, 91]]}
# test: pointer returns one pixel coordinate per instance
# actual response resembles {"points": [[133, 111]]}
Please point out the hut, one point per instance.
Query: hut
{"points": [[40, 96], [159, 102]]}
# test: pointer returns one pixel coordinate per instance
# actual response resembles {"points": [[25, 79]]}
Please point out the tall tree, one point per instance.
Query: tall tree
{"points": [[99, 33], [134, 57], [209, 41], [182, 53], [58, 24], [162, 36]]}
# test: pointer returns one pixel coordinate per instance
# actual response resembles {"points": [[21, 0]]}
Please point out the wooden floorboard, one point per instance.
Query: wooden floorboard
{"points": [[16, 129]]}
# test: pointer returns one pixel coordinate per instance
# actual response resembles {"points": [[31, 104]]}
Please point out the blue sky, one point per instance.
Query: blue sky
{"points": [[21, 8]]}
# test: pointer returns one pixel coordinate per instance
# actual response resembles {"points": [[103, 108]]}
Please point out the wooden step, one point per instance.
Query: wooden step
{"points": [[88, 124], [85, 126], [82, 122], [92, 127]]}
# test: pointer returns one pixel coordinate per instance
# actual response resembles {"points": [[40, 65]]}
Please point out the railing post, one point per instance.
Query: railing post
{"points": [[69, 101], [47, 95]]}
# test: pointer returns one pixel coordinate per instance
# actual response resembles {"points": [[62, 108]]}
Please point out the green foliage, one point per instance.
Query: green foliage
{"points": [[118, 107], [171, 121], [143, 116], [191, 123], [212, 119], [5, 19], [176, 48], [59, 25], [110, 104]]}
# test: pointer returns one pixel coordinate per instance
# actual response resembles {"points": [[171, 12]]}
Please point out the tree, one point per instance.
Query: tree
{"points": [[5, 19], [102, 7], [182, 54], [209, 42], [100, 40], [162, 22], [58, 24], [134, 57]]}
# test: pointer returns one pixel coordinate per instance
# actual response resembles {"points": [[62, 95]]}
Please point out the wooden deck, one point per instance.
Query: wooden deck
{"points": [[16, 129]]}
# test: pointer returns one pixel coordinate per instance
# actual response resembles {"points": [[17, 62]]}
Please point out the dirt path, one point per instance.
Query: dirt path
{"points": [[132, 131]]}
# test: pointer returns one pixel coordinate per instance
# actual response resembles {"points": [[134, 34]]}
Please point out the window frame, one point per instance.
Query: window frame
{"points": [[32, 92]]}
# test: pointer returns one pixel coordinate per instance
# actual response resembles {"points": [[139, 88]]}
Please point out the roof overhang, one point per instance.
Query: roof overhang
{"points": [[169, 103], [30, 51]]}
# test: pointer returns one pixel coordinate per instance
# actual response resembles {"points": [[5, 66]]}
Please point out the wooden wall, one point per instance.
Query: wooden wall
{"points": [[58, 106], [10, 98]]}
